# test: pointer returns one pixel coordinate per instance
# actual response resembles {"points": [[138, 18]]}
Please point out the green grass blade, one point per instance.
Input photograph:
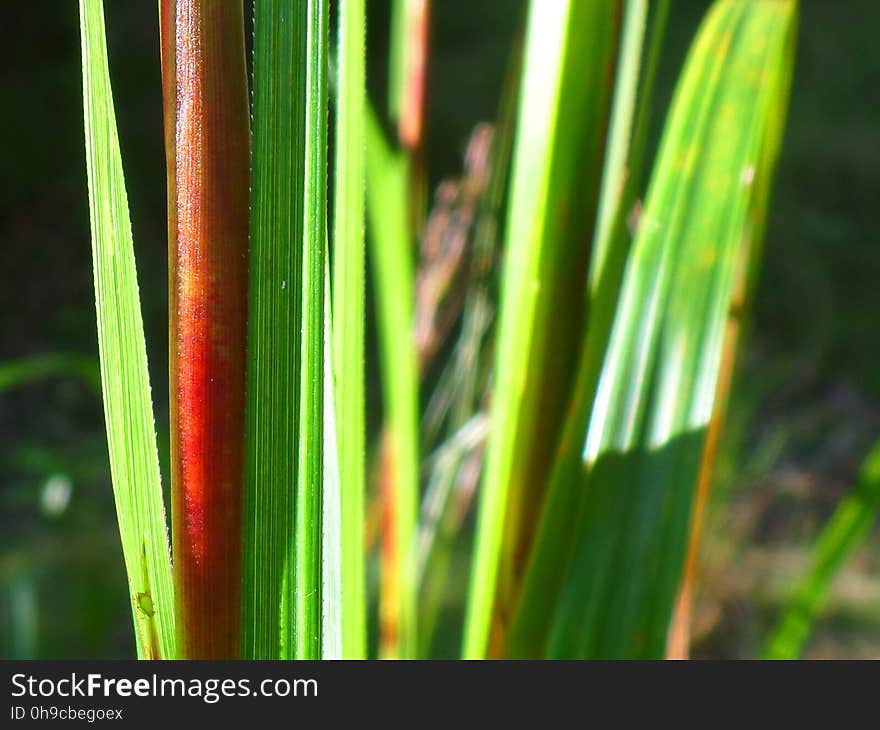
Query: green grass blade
{"points": [[128, 410], [307, 570], [392, 268], [274, 325], [621, 184], [349, 320], [282, 596], [845, 531], [703, 216], [616, 167], [399, 167], [557, 160]]}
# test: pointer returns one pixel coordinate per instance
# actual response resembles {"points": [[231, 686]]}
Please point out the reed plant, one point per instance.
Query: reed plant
{"points": [[556, 330]]}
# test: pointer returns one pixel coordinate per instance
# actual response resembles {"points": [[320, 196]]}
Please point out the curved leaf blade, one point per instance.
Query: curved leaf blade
{"points": [[128, 408]]}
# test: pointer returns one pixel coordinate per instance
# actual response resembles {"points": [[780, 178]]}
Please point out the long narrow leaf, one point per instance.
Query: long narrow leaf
{"points": [[285, 439], [307, 558], [621, 185], [349, 320], [274, 327], [128, 409], [557, 160], [400, 170], [616, 169], [846, 530], [392, 268], [703, 215]]}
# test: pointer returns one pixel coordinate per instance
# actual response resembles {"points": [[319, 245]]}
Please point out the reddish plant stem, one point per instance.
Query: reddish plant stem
{"points": [[208, 152], [411, 125], [678, 641]]}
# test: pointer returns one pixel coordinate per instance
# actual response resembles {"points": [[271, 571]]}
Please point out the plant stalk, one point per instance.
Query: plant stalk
{"points": [[208, 153]]}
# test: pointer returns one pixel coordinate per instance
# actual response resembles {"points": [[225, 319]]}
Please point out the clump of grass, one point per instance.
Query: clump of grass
{"points": [[607, 373]]}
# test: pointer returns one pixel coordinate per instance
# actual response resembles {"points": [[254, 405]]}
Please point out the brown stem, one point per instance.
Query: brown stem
{"points": [[208, 152], [679, 636]]}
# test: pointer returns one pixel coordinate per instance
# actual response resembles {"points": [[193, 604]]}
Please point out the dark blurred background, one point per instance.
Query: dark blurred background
{"points": [[804, 412]]}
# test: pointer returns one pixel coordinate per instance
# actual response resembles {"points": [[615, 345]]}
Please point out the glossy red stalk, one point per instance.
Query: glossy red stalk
{"points": [[208, 154]]}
